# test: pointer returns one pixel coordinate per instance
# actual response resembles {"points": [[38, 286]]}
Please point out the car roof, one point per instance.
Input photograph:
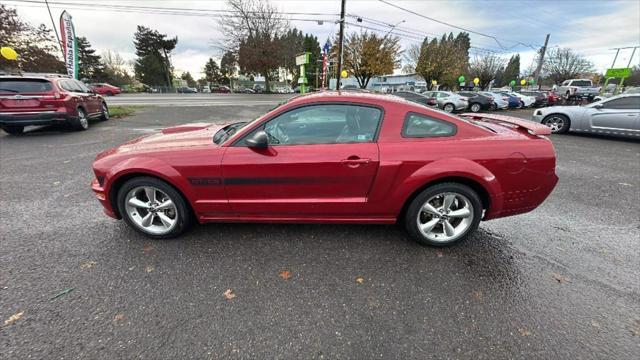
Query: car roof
{"points": [[346, 96]]}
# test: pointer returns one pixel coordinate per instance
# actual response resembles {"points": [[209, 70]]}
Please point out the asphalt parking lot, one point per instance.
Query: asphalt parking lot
{"points": [[560, 282]]}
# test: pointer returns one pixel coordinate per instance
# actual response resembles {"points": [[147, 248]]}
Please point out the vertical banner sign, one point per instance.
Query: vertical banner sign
{"points": [[325, 56], [69, 44]]}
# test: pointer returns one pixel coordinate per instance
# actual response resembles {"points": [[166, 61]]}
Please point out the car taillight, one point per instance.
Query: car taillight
{"points": [[505, 98], [464, 99], [57, 95]]}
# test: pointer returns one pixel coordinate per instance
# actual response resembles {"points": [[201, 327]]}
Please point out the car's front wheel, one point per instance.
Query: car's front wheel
{"points": [[475, 107], [559, 124], [449, 108], [153, 207], [13, 129], [443, 214]]}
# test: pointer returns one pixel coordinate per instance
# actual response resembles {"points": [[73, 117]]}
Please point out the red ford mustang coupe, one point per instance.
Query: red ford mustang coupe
{"points": [[335, 157]]}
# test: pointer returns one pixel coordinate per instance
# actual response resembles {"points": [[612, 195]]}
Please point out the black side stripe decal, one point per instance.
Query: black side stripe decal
{"points": [[215, 181]]}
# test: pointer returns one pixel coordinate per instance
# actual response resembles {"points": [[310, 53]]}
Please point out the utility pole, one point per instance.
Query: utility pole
{"points": [[340, 40], [541, 60], [55, 29]]}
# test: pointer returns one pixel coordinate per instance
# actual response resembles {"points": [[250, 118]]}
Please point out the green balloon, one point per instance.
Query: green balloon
{"points": [[532, 82], [512, 83], [461, 78]]}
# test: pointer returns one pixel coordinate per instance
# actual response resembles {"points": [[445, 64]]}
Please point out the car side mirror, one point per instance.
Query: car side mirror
{"points": [[259, 140]]}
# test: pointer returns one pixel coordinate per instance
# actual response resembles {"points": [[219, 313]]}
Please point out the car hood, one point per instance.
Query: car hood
{"points": [[188, 135]]}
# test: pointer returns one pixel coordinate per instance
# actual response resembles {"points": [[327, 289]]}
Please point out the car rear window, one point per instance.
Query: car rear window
{"points": [[422, 126], [17, 86], [581, 83]]}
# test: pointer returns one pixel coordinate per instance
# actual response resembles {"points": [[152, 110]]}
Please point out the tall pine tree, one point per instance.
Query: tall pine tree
{"points": [[153, 65], [89, 64], [512, 71]]}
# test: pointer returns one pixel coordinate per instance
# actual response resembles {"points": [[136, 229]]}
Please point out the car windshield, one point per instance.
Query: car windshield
{"points": [[223, 134], [16, 86], [228, 131]]}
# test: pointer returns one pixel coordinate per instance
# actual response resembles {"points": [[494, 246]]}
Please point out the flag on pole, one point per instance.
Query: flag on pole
{"points": [[69, 44], [325, 56]]}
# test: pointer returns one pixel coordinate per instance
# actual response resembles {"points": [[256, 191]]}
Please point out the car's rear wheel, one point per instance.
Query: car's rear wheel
{"points": [[443, 214], [80, 122], [105, 112], [559, 124], [13, 129], [521, 105], [110, 93], [449, 108], [475, 107], [153, 208]]}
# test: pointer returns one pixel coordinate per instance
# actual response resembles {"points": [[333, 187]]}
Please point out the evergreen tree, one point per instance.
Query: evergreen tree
{"points": [[89, 64], [186, 76], [212, 72], [153, 66], [228, 66], [512, 71]]}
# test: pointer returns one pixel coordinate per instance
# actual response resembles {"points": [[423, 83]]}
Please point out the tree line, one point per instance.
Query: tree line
{"points": [[261, 42]]}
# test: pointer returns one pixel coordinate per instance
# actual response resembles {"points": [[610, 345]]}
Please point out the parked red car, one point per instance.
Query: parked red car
{"points": [[339, 157], [552, 98], [45, 100], [105, 89], [221, 89]]}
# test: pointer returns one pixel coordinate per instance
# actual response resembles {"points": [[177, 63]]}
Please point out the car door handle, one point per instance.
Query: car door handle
{"points": [[355, 161]]}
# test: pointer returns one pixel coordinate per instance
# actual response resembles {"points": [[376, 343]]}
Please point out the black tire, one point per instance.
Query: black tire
{"points": [[449, 107], [521, 105], [494, 107], [80, 122], [13, 129], [414, 210], [556, 118], [105, 112], [184, 215], [109, 93], [475, 107]]}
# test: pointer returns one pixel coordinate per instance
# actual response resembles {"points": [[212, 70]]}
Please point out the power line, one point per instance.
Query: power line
{"points": [[460, 28]]}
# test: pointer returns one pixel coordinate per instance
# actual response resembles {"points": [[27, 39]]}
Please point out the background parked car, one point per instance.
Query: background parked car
{"points": [[47, 100], [449, 101], [105, 89], [579, 88], [477, 101], [540, 99], [525, 100], [186, 90], [500, 102], [618, 115], [417, 98], [221, 89]]}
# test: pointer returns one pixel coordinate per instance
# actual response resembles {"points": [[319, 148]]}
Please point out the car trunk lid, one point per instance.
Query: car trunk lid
{"points": [[510, 122]]}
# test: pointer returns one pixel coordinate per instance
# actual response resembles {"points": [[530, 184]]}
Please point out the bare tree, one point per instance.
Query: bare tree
{"points": [[411, 57], [561, 64], [485, 67], [253, 30]]}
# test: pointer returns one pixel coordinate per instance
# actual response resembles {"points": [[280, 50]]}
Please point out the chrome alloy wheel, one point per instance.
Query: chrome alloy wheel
{"points": [[555, 123], [445, 217], [151, 210], [105, 111], [82, 119]]}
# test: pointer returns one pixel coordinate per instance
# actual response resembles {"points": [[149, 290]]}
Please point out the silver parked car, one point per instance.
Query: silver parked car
{"points": [[500, 102], [618, 115], [449, 101]]}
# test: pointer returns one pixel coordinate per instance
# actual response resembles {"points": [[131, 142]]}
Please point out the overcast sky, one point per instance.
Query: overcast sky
{"points": [[591, 27]]}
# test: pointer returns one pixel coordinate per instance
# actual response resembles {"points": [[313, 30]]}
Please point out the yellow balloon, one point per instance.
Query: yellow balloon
{"points": [[8, 53], [344, 73], [523, 82], [433, 82], [476, 81]]}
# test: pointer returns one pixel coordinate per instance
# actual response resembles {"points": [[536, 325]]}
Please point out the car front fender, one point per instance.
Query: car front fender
{"points": [[150, 167]]}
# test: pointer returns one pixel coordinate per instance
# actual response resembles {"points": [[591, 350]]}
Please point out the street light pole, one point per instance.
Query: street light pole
{"points": [[340, 40]]}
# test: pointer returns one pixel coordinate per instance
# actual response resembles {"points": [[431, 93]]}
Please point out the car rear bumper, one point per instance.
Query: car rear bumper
{"points": [[33, 118]]}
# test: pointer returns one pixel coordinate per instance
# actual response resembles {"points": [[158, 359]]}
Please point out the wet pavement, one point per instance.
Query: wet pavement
{"points": [[560, 282]]}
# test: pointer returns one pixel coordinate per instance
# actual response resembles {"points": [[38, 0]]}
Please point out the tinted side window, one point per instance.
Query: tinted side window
{"points": [[81, 86], [417, 125], [70, 86], [323, 124], [625, 103]]}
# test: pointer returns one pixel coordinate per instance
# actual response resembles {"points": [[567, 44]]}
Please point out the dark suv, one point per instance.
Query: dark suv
{"points": [[44, 100]]}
